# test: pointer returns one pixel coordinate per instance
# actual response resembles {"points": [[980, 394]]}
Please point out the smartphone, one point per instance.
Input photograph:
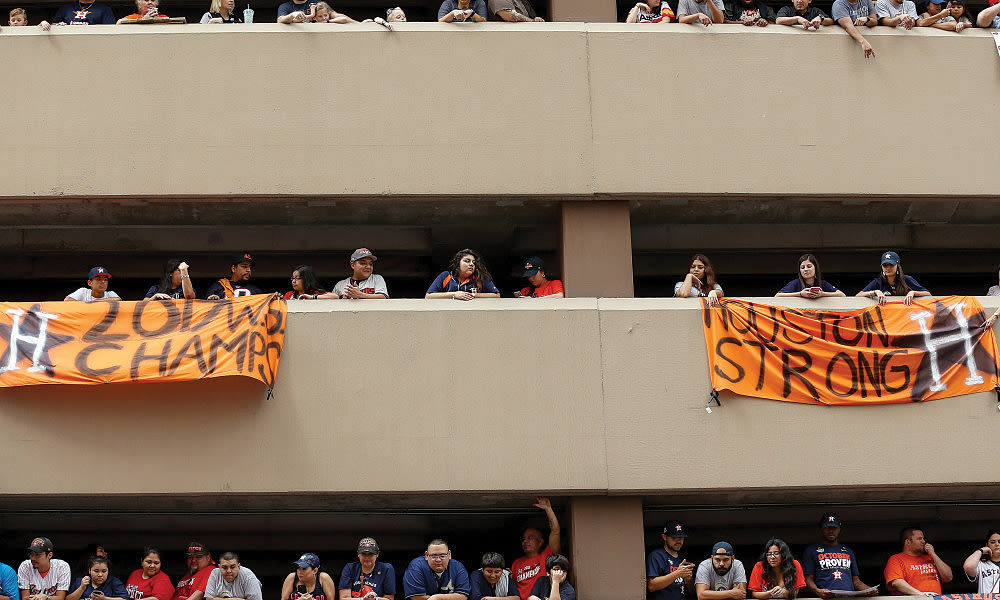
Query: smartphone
{"points": [[301, 588], [815, 290]]}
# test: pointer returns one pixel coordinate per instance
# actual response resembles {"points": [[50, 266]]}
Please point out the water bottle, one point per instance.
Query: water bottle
{"points": [[248, 14]]}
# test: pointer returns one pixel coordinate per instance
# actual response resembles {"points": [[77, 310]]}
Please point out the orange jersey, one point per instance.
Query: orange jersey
{"points": [[918, 571]]}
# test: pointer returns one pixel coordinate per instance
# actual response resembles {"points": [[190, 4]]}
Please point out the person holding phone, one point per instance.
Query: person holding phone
{"points": [[462, 11], [369, 578], [308, 582], [97, 583], [983, 565], [810, 283], [667, 571]]}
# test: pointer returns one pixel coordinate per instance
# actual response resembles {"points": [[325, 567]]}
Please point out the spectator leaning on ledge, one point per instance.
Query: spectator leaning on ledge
{"points": [[749, 12], [990, 17], [97, 287], [237, 284], [462, 11], [851, 15], [513, 10], [653, 12], [231, 580], [705, 12], [534, 271], [18, 18], [82, 13], [917, 570], [955, 18], [144, 9], [801, 13], [363, 282], [904, 14], [221, 11]]}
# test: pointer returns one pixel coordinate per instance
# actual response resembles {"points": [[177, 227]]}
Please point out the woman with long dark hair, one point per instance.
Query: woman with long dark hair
{"points": [[983, 565], [98, 583], [810, 283], [777, 574], [175, 283], [699, 281], [467, 278], [149, 582], [305, 285], [893, 282]]}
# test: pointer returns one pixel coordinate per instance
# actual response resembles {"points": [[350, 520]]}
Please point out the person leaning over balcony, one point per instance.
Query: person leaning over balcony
{"points": [[149, 582], [668, 571], [904, 14], [893, 282], [990, 16], [721, 576], [655, 11], [705, 12], [435, 576], [467, 278], [175, 283], [144, 9], [363, 283], [777, 574], [81, 13], [983, 565], [851, 15], [308, 582], [321, 12], [294, 11], [394, 15], [800, 12], [369, 577], [956, 20], [491, 581], [809, 283], [512, 10], [831, 566], [97, 287], [238, 283], [553, 585], [462, 11], [528, 568], [917, 570], [305, 286], [534, 271], [750, 13], [97, 584], [699, 281], [232, 580], [221, 11]]}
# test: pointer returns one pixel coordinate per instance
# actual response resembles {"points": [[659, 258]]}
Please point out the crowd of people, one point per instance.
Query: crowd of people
{"points": [[852, 16], [828, 569], [466, 278], [540, 574]]}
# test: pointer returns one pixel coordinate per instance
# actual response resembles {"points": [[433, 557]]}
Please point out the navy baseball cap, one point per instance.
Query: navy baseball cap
{"points": [[308, 561], [722, 548], [890, 258], [830, 519], [532, 266], [98, 271], [243, 257], [674, 529]]}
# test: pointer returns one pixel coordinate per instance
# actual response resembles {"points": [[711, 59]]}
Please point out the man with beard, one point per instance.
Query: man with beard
{"points": [[917, 570], [830, 565], [667, 571], [200, 566], [236, 284], [42, 577], [721, 577]]}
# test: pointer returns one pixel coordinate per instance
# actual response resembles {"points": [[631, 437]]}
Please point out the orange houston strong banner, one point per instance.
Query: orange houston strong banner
{"points": [[936, 348], [162, 340]]}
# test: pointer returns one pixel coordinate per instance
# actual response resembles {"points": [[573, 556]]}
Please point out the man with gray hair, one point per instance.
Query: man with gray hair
{"points": [[231, 580], [492, 581]]}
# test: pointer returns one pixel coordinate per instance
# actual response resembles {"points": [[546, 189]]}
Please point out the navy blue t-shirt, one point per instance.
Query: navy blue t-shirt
{"points": [[795, 286], [543, 586], [481, 587], [439, 285], [177, 293], [289, 7], [420, 580], [112, 588], [880, 284], [245, 289], [76, 13], [661, 563], [833, 566], [382, 580]]}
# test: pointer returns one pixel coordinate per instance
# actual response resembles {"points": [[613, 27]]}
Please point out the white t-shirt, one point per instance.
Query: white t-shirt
{"points": [[887, 9], [85, 294], [988, 575], [28, 577], [373, 285]]}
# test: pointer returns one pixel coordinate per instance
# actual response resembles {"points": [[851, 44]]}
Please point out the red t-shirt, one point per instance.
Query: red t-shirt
{"points": [[157, 586], [526, 570], [193, 583], [551, 286], [757, 584], [918, 571]]}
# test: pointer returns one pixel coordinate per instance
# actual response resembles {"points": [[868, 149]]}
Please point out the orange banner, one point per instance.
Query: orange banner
{"points": [[936, 348], [161, 340]]}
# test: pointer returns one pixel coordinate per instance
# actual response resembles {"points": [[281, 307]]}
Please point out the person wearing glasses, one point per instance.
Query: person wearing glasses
{"points": [[777, 574], [436, 576], [305, 286], [368, 578], [527, 569]]}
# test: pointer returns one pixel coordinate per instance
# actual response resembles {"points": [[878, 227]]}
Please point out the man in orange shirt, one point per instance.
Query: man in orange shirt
{"points": [[917, 570]]}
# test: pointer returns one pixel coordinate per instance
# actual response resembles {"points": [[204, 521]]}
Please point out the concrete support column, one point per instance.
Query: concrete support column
{"points": [[597, 249], [590, 11], [608, 557]]}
